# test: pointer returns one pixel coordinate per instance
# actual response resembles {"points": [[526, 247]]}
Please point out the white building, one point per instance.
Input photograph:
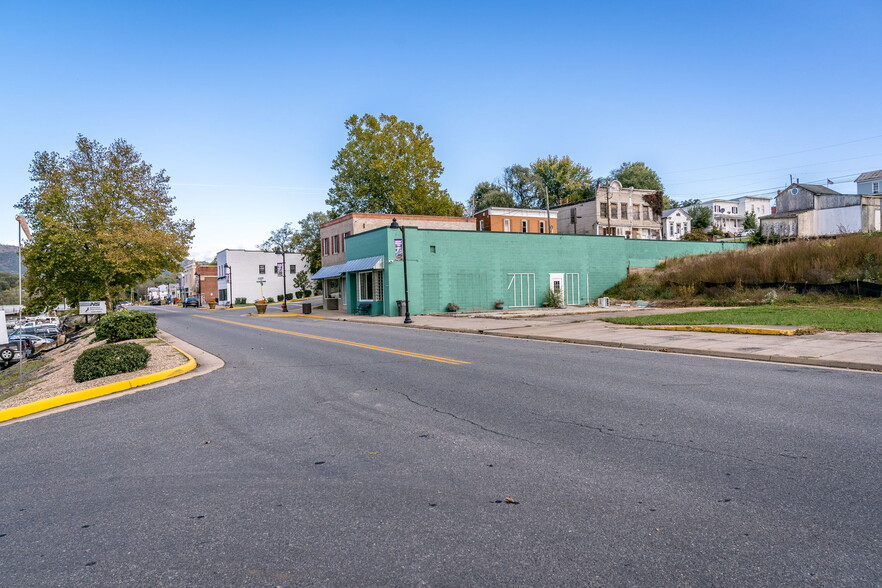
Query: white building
{"points": [[676, 222], [727, 215], [811, 210], [252, 275], [869, 183]]}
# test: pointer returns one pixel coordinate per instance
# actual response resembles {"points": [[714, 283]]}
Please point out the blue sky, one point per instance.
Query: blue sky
{"points": [[243, 104]]}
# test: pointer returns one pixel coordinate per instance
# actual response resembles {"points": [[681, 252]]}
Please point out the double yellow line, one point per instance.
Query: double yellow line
{"points": [[343, 342]]}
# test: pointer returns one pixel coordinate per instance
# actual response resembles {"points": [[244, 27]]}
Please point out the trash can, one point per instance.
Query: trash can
{"points": [[307, 307], [402, 307]]}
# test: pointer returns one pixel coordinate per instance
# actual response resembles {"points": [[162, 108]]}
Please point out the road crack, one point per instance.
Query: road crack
{"points": [[459, 418]]}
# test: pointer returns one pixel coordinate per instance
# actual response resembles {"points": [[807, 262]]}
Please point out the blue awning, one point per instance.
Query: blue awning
{"points": [[354, 265]]}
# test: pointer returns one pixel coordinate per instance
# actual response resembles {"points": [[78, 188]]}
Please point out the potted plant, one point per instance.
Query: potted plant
{"points": [[260, 305], [212, 304], [499, 304], [452, 307]]}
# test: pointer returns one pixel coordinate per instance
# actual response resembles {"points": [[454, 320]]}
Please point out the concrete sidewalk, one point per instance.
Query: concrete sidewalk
{"points": [[861, 351]]}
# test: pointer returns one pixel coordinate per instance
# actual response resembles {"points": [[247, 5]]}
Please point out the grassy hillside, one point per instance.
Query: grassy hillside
{"points": [[9, 258], [732, 277]]}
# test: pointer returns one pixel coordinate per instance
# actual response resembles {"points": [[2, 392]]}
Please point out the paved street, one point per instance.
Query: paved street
{"points": [[339, 453]]}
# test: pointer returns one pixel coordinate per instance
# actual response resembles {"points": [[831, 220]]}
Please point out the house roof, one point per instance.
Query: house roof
{"points": [[670, 211], [353, 265], [817, 189], [867, 176]]}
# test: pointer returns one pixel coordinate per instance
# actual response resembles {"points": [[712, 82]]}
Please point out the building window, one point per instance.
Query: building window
{"points": [[646, 213], [624, 211], [603, 210], [292, 269], [325, 246], [573, 215], [336, 244], [261, 269], [541, 226], [875, 187], [613, 210], [524, 227], [431, 249], [366, 286], [506, 225], [222, 295], [481, 225]]}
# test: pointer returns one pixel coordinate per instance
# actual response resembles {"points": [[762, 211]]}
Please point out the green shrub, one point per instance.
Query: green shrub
{"points": [[109, 360], [241, 301], [125, 325], [289, 296]]}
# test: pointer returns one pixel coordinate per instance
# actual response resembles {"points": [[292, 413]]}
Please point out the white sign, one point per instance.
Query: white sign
{"points": [[4, 336], [93, 307]]}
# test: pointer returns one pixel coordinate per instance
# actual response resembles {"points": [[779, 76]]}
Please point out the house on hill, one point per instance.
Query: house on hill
{"points": [[812, 210], [614, 211]]}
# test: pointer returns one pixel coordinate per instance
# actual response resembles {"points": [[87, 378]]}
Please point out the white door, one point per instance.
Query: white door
{"points": [[556, 283]]}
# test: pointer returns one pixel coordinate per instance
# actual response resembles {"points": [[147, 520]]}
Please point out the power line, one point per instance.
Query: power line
{"points": [[774, 156]]}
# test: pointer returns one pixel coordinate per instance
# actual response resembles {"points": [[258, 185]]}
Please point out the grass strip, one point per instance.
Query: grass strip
{"points": [[865, 320]]}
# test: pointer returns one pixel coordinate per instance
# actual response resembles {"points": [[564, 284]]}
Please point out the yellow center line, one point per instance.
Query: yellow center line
{"points": [[343, 342]]}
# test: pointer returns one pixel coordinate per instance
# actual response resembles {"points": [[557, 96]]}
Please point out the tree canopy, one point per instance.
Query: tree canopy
{"points": [[102, 221], [565, 180], [637, 175], [487, 194], [701, 216], [522, 184], [307, 241], [389, 166], [281, 239]]}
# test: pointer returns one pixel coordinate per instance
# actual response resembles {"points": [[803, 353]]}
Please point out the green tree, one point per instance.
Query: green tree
{"points": [[281, 239], [102, 221], [637, 175], [688, 203], [522, 184], [701, 217], [307, 241], [564, 179], [750, 221], [388, 165], [487, 194]]}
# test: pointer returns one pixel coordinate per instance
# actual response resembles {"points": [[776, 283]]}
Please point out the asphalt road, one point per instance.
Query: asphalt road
{"points": [[338, 454]]}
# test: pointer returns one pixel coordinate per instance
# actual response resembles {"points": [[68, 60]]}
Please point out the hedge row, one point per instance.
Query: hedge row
{"points": [[125, 325], [109, 360]]}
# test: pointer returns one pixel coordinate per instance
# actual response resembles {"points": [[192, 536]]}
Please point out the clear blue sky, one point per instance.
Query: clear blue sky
{"points": [[243, 103]]}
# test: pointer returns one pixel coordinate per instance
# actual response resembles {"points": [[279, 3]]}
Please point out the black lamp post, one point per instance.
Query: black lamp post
{"points": [[395, 225], [284, 279], [228, 274], [198, 290]]}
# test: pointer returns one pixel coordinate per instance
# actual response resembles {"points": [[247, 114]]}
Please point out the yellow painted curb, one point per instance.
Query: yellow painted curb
{"points": [[737, 330], [280, 315], [47, 403]]}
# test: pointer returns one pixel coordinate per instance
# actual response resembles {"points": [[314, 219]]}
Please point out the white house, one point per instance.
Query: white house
{"points": [[810, 210], [728, 215], [249, 274], [676, 222]]}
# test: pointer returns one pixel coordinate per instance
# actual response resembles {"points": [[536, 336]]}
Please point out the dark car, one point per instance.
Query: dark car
{"points": [[191, 301], [156, 302], [9, 351]]}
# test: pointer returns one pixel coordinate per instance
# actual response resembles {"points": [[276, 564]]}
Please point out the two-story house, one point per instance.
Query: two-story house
{"points": [[727, 215], [811, 210], [614, 210], [515, 220]]}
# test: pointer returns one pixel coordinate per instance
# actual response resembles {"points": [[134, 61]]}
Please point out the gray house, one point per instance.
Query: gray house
{"points": [[811, 210], [869, 182]]}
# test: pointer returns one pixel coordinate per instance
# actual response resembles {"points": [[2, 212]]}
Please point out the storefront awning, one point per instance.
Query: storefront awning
{"points": [[354, 265]]}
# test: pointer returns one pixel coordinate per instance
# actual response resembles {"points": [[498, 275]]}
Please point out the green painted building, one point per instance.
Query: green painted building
{"points": [[474, 269]]}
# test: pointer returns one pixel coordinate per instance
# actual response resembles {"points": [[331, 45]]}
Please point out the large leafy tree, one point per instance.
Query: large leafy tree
{"points": [[102, 221], [564, 179], [637, 175], [388, 165], [307, 241], [523, 185], [487, 194], [701, 216]]}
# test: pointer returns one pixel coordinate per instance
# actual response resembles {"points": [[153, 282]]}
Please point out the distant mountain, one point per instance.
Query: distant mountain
{"points": [[9, 258]]}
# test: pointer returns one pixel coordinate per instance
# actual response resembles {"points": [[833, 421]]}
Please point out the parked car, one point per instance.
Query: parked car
{"points": [[191, 301], [48, 330], [123, 304], [38, 343], [156, 302], [9, 352]]}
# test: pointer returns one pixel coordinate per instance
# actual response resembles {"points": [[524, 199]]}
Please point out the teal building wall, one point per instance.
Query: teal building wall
{"points": [[474, 269]]}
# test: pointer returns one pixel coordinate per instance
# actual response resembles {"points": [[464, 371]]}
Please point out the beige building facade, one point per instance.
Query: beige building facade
{"points": [[615, 211]]}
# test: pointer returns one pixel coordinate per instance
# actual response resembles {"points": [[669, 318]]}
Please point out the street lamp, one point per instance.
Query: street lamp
{"points": [[228, 274], [395, 225], [284, 284]]}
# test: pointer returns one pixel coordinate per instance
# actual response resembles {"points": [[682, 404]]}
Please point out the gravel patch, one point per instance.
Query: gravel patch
{"points": [[56, 378]]}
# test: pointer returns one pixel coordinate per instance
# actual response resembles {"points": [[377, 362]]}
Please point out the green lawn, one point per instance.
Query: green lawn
{"points": [[823, 317]]}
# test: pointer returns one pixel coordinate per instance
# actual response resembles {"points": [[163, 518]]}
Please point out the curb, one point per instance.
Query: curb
{"points": [[736, 330], [802, 361], [56, 401], [290, 314]]}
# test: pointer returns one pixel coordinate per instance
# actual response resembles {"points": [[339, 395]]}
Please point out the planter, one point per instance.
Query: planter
{"points": [[212, 305], [261, 308], [500, 307], [332, 303]]}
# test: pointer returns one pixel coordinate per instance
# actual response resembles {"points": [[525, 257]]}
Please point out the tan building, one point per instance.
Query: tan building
{"points": [[615, 210], [199, 279], [333, 240], [515, 220]]}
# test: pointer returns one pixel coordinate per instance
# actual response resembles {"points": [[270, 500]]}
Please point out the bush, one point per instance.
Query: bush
{"points": [[109, 360], [307, 293], [122, 326], [241, 301], [289, 296], [299, 293]]}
